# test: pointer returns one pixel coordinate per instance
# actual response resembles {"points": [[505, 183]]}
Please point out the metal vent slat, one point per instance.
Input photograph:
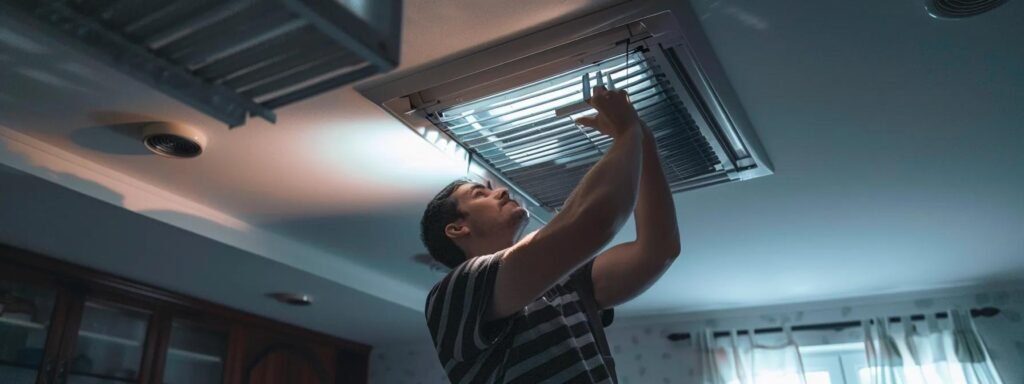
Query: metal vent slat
{"points": [[298, 74], [290, 70], [224, 45], [252, 18], [547, 119], [175, 26], [260, 54], [320, 86], [601, 141], [563, 129], [276, 66], [567, 80], [568, 126], [566, 89], [520, 134], [122, 13], [172, 14]]}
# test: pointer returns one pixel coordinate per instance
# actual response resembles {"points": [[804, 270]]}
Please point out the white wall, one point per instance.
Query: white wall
{"points": [[644, 355]]}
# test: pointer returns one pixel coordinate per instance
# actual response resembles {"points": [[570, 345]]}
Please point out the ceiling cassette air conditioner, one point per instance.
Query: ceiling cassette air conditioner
{"points": [[513, 116]]}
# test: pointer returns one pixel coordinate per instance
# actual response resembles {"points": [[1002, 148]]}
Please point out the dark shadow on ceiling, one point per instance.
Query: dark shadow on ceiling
{"points": [[117, 139], [387, 241], [16, 161], [116, 133]]}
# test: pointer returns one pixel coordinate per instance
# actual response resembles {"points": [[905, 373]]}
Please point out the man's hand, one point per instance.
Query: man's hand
{"points": [[615, 114]]}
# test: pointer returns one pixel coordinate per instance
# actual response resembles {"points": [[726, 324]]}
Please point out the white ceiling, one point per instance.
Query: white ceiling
{"points": [[895, 139]]}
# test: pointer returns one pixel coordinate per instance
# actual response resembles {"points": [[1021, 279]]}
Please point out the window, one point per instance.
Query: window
{"points": [[815, 377], [835, 364], [941, 372], [847, 364]]}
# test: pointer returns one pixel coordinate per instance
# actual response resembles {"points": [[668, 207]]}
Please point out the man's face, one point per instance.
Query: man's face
{"points": [[489, 212]]}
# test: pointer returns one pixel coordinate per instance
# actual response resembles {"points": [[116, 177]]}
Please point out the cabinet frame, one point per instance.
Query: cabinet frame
{"points": [[74, 285]]}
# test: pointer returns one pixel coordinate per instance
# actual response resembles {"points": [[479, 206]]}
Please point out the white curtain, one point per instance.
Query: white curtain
{"points": [[740, 360], [946, 352]]}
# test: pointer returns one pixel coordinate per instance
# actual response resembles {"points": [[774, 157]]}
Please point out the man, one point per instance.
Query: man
{"points": [[528, 311]]}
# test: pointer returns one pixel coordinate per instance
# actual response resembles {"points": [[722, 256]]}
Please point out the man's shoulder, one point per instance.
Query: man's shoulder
{"points": [[465, 269], [442, 282]]}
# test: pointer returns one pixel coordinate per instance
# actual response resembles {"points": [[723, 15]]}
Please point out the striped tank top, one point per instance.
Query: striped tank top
{"points": [[559, 338]]}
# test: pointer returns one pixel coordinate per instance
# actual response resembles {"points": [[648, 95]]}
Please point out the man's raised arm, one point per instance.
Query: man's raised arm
{"points": [[596, 210]]}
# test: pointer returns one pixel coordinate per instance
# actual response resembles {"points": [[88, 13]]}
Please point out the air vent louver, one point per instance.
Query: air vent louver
{"points": [[173, 146], [519, 134]]}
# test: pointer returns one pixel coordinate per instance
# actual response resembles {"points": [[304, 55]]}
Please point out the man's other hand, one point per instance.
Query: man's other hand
{"points": [[615, 114]]}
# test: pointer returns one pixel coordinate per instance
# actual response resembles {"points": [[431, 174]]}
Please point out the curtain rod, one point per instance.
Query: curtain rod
{"points": [[975, 312]]}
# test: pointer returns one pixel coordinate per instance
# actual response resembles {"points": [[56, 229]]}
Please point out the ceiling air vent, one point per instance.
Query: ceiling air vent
{"points": [[173, 146], [229, 59], [956, 9], [523, 134], [513, 117], [173, 140]]}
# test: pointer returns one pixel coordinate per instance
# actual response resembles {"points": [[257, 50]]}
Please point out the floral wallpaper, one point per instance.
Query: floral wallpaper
{"points": [[644, 355]]}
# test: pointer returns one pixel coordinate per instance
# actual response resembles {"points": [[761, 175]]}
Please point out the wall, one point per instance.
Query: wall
{"points": [[644, 355]]}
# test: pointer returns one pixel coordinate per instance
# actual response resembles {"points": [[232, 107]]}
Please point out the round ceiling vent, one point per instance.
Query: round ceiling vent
{"points": [[958, 9], [173, 140]]}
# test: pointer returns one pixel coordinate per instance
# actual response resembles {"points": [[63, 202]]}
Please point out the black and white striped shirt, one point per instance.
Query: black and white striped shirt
{"points": [[559, 338]]}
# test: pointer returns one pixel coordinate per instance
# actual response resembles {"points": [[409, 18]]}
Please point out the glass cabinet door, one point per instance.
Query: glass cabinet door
{"points": [[195, 354], [25, 313], [110, 344]]}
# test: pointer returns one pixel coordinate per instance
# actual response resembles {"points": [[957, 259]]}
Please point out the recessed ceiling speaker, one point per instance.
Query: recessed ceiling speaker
{"points": [[958, 9], [173, 140]]}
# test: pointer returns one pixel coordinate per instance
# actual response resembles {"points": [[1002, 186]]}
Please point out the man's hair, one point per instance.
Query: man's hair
{"points": [[441, 211]]}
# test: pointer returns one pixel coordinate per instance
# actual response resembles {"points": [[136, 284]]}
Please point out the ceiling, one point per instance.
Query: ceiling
{"points": [[894, 136]]}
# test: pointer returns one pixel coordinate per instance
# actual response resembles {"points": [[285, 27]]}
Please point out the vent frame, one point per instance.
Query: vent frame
{"points": [[661, 99]]}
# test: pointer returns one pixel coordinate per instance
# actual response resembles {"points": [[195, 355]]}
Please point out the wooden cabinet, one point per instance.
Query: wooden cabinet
{"points": [[272, 359], [63, 324]]}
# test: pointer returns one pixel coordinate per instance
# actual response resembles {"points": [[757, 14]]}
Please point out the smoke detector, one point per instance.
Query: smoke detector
{"points": [[958, 9], [173, 140]]}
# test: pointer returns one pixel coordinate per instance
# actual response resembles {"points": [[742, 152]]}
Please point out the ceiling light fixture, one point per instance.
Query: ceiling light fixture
{"points": [[293, 299]]}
